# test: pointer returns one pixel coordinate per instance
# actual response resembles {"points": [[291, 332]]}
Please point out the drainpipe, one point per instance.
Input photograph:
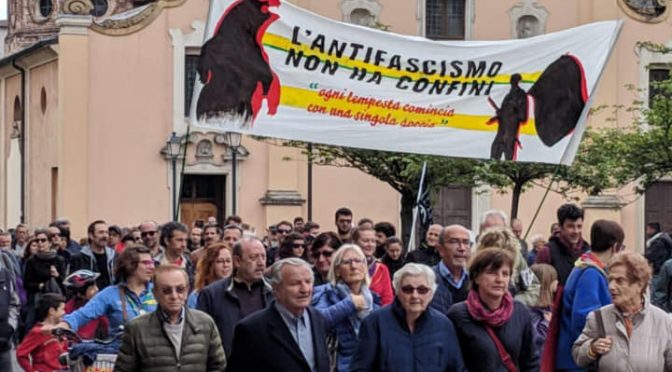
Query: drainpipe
{"points": [[22, 139]]}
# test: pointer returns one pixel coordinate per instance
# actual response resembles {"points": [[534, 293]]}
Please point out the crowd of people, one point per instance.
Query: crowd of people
{"points": [[215, 297]]}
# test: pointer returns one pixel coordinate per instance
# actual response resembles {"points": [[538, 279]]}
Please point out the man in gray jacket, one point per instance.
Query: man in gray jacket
{"points": [[174, 337]]}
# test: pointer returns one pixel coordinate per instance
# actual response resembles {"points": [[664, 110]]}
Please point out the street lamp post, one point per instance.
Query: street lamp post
{"points": [[233, 140], [173, 147]]}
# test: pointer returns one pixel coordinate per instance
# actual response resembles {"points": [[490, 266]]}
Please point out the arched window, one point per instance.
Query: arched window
{"points": [[445, 19], [99, 8], [17, 109], [46, 7]]}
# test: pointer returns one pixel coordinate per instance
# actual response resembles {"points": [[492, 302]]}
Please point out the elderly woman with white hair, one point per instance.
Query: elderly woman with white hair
{"points": [[345, 301], [408, 335]]}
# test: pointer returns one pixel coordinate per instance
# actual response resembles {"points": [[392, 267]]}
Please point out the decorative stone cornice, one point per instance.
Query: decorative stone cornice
{"points": [[282, 197], [608, 201], [70, 24], [134, 20]]}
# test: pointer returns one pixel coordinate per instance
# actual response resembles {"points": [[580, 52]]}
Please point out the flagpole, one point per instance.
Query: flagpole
{"points": [[411, 240]]}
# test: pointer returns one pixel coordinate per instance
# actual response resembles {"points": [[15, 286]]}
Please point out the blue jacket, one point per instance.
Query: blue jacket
{"points": [[108, 302], [338, 311], [586, 289], [385, 343]]}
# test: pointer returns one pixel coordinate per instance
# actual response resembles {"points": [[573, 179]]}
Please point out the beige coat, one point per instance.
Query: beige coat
{"points": [[649, 348]]}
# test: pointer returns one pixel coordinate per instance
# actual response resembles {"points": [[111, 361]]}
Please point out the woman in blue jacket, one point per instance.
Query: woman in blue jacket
{"points": [[345, 301], [122, 302], [407, 335]]}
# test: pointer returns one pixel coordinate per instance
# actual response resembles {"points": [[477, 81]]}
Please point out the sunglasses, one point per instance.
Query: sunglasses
{"points": [[356, 261], [147, 233], [169, 290], [42, 240], [298, 245], [409, 289], [326, 254], [283, 231]]}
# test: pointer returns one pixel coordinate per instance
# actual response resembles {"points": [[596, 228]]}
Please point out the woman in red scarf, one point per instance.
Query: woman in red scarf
{"points": [[495, 332]]}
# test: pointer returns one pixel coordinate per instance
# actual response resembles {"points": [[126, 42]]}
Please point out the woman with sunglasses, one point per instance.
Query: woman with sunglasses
{"points": [[388, 338], [344, 302], [44, 273], [293, 245], [321, 250], [495, 332], [131, 297]]}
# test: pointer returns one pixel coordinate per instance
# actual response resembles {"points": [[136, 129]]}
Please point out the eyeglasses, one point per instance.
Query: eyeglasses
{"points": [[356, 261], [455, 241], [326, 254], [409, 289], [147, 262], [169, 290], [147, 233], [41, 240]]}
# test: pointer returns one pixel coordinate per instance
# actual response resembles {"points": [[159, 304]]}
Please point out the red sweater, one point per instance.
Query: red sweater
{"points": [[381, 283], [43, 349]]}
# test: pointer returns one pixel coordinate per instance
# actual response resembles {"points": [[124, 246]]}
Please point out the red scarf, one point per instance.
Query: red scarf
{"points": [[493, 318]]}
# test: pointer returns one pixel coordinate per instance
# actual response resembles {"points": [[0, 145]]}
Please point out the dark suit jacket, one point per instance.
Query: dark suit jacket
{"points": [[220, 301], [262, 343]]}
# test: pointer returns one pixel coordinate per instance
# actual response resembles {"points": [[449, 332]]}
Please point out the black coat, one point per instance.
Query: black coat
{"points": [[478, 349], [262, 343], [425, 255], [38, 271], [659, 251], [220, 302]]}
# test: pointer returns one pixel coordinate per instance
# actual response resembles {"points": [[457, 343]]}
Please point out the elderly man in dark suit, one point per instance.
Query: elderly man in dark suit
{"points": [[288, 335]]}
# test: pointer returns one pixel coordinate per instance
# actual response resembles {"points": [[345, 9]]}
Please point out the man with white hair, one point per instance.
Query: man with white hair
{"points": [[288, 335], [453, 281], [492, 218]]}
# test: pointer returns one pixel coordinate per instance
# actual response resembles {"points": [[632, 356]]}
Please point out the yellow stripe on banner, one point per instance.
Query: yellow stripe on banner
{"points": [[284, 44], [404, 115]]}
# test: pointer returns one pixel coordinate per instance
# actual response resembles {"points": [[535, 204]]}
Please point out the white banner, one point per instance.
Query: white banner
{"points": [[269, 68]]}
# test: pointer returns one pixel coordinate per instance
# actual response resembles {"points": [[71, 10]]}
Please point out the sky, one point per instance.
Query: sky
{"points": [[3, 9]]}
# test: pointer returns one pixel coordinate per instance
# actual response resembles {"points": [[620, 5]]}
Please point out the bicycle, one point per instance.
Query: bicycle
{"points": [[82, 361]]}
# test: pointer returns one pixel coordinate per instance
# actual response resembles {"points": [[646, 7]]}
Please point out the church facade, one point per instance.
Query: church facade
{"points": [[91, 90]]}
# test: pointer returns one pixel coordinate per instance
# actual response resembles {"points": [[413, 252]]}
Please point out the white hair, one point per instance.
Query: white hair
{"points": [[536, 238], [414, 269], [496, 213], [276, 269]]}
